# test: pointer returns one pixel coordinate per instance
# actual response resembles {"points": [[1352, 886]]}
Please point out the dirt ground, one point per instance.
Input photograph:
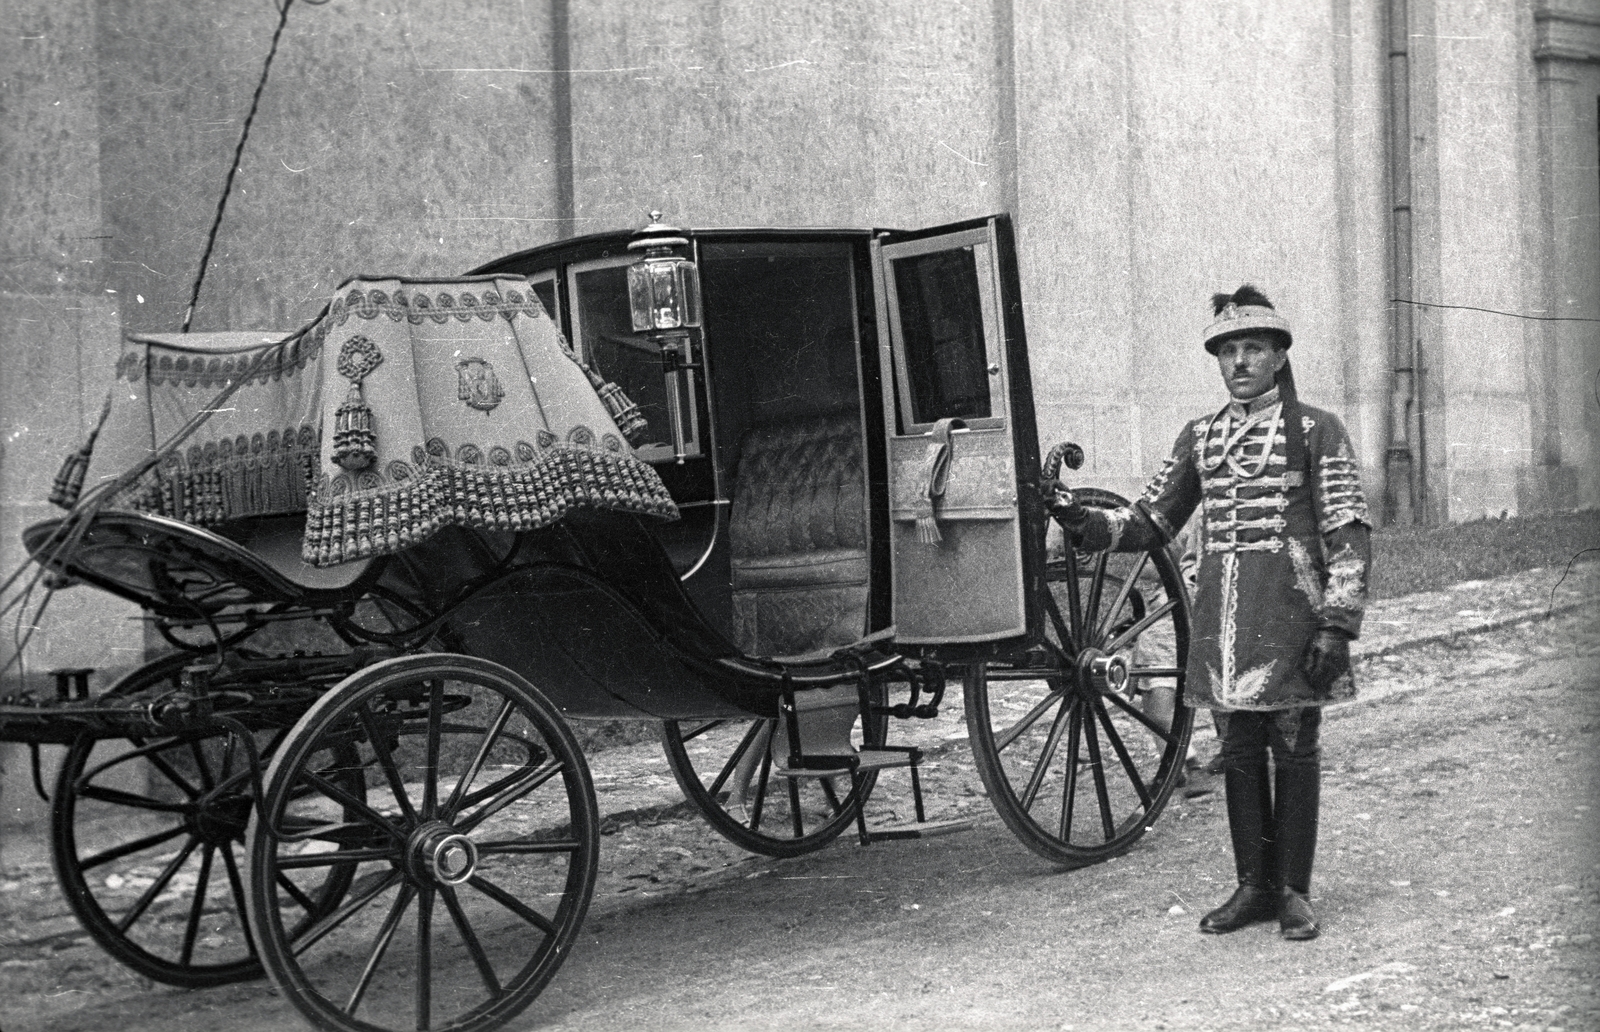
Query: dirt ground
{"points": [[1458, 882]]}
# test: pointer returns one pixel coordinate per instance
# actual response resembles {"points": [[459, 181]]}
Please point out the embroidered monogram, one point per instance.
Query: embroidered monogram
{"points": [[476, 383]]}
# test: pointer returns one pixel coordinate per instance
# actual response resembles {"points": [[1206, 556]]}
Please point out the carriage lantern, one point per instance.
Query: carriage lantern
{"points": [[663, 287], [664, 298]]}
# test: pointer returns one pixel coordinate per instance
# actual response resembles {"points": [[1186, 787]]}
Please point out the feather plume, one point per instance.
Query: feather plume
{"points": [[1245, 295]]}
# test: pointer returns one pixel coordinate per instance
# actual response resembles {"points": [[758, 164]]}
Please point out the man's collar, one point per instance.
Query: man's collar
{"points": [[1242, 409]]}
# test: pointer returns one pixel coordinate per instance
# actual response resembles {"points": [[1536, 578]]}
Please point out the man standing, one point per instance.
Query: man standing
{"points": [[1284, 549]]}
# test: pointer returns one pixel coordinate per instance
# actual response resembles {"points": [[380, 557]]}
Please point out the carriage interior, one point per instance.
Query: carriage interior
{"points": [[774, 541]]}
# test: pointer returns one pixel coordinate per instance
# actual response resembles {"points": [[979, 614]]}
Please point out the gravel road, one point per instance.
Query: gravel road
{"points": [[1458, 882]]}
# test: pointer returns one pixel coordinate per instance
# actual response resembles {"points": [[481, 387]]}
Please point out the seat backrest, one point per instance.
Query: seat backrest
{"points": [[800, 487]]}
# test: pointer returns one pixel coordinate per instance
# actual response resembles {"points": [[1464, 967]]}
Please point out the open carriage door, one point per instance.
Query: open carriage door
{"points": [[958, 411]]}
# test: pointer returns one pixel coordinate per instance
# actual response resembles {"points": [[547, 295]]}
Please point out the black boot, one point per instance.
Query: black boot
{"points": [[1297, 795], [1250, 824]]}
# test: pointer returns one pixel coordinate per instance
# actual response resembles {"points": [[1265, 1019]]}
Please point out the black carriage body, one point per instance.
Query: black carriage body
{"points": [[828, 364], [854, 456]]}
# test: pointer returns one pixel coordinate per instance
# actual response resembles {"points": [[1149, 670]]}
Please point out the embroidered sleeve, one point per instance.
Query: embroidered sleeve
{"points": [[1345, 526], [1344, 596], [1162, 509], [1340, 499]]}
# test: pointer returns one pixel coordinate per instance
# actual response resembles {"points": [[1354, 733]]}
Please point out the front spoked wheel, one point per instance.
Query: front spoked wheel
{"points": [[478, 843], [1081, 742]]}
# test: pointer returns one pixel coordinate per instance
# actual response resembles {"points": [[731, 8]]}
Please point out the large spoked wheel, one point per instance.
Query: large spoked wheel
{"points": [[1081, 744], [478, 841], [147, 839], [727, 770]]}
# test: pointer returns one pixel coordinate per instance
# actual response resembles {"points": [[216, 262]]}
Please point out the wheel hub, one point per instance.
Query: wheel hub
{"points": [[1101, 672], [442, 855], [219, 819]]}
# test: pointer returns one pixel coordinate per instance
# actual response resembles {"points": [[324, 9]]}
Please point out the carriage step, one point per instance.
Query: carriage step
{"points": [[926, 829], [832, 764]]}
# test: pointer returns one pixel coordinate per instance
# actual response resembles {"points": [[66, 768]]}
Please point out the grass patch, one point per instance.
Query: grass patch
{"points": [[1411, 559]]}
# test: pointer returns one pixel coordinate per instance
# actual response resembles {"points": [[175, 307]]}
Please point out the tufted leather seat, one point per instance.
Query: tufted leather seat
{"points": [[799, 536]]}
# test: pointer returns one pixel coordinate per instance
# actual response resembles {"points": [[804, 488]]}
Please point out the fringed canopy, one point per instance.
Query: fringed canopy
{"points": [[408, 405]]}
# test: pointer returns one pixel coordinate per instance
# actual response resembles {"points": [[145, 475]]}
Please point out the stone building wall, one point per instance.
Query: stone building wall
{"points": [[1151, 154]]}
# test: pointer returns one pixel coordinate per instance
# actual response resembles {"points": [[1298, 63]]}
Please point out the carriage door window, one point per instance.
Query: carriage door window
{"points": [[956, 538], [951, 364], [602, 330]]}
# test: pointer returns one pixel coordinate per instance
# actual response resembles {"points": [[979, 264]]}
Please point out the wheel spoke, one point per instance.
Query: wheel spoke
{"points": [[425, 939], [1122, 755], [1012, 733], [1165, 734], [350, 802], [155, 888], [1069, 638], [489, 736], [1155, 671], [430, 770], [796, 821], [236, 885], [152, 753], [1069, 788], [228, 750], [380, 946], [470, 940], [192, 929], [1121, 641], [118, 852], [756, 727], [473, 798], [522, 787], [1097, 768], [306, 903], [512, 903], [1105, 625], [528, 847], [832, 796], [391, 773], [117, 797], [381, 882], [1043, 765], [1091, 607], [341, 832], [1074, 607], [761, 788], [304, 861]]}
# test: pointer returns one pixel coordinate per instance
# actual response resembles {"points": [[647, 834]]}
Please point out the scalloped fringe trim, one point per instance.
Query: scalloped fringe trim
{"points": [[387, 520]]}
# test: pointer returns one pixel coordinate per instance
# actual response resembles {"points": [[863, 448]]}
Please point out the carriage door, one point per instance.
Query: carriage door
{"points": [[959, 417]]}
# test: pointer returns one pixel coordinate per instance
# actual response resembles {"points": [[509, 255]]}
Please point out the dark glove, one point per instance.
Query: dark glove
{"points": [[1327, 657]]}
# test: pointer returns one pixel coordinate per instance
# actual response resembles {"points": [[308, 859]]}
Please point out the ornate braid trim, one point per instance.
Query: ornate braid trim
{"points": [[1342, 498], [1347, 581], [381, 521], [260, 475], [1158, 483]]}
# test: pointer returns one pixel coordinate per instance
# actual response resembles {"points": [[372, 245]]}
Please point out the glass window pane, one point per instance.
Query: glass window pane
{"points": [[545, 288], [606, 340], [941, 325]]}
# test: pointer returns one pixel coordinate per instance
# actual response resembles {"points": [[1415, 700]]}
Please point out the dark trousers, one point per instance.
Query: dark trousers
{"points": [[1272, 813]]}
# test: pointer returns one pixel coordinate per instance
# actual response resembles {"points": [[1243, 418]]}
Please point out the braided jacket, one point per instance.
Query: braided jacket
{"points": [[1279, 557]]}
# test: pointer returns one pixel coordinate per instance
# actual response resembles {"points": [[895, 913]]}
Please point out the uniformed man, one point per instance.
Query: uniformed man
{"points": [[1284, 554]]}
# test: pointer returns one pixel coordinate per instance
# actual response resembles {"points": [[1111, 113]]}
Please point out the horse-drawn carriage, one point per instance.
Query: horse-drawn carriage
{"points": [[355, 767]]}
